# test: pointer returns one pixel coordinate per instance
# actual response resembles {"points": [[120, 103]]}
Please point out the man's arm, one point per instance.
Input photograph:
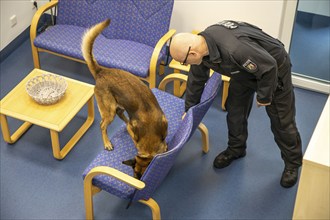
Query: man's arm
{"points": [[253, 59], [197, 78]]}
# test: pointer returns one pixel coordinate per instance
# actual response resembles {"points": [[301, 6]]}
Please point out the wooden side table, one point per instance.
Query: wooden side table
{"points": [[17, 104], [180, 88]]}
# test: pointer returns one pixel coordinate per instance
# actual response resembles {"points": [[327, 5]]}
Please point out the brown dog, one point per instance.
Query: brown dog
{"points": [[117, 91]]}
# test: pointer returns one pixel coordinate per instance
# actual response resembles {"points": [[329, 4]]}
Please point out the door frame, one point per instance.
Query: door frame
{"points": [[285, 34]]}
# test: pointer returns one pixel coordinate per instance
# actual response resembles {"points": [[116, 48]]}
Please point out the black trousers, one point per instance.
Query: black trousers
{"points": [[281, 113]]}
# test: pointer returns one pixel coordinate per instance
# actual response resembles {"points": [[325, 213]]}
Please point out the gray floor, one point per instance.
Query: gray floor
{"points": [[36, 186]]}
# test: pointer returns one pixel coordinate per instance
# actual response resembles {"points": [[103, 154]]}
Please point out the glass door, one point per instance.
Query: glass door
{"points": [[310, 42]]}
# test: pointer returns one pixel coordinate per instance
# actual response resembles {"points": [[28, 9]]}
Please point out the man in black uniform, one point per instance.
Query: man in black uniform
{"points": [[256, 63]]}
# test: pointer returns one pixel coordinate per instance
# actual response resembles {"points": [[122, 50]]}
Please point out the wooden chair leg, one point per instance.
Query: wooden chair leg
{"points": [[89, 192], [205, 137], [154, 208], [35, 55]]}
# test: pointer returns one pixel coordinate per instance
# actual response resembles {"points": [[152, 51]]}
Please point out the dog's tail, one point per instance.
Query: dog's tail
{"points": [[87, 45]]}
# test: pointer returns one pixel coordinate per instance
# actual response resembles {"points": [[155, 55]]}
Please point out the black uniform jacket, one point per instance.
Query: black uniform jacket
{"points": [[241, 51]]}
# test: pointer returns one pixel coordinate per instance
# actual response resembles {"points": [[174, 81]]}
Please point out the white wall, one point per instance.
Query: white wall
{"points": [[198, 14], [187, 15], [24, 11]]}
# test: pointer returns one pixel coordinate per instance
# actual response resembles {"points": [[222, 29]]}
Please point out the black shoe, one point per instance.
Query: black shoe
{"points": [[225, 158], [289, 177]]}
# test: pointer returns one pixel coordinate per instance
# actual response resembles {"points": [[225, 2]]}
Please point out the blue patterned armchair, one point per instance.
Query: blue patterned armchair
{"points": [[134, 42], [106, 172]]}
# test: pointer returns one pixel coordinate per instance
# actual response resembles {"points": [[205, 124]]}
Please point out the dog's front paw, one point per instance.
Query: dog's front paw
{"points": [[106, 142], [108, 146]]}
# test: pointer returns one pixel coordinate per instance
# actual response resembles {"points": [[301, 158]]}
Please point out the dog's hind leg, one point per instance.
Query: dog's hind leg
{"points": [[107, 107], [120, 112]]}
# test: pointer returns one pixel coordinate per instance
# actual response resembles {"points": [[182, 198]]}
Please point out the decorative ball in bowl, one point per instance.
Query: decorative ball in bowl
{"points": [[46, 89]]}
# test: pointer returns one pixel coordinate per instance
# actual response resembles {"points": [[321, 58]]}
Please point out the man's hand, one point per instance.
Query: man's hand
{"points": [[262, 104]]}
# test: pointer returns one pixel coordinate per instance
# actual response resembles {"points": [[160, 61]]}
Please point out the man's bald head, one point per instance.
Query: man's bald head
{"points": [[180, 44]]}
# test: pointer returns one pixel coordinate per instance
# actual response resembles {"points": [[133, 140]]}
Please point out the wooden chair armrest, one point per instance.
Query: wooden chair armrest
{"points": [[154, 58], [90, 190], [36, 18], [172, 77], [103, 170]]}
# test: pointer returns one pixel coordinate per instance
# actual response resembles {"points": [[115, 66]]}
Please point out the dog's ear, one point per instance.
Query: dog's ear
{"points": [[130, 162]]}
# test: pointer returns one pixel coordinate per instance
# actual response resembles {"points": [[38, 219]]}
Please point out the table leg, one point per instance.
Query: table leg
{"points": [[161, 69], [176, 85], [60, 154], [17, 134], [176, 88], [179, 88]]}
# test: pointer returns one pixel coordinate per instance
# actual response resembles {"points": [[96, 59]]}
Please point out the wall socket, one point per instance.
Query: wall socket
{"points": [[13, 20]]}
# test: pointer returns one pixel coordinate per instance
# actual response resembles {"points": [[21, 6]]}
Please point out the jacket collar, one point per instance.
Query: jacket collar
{"points": [[214, 54]]}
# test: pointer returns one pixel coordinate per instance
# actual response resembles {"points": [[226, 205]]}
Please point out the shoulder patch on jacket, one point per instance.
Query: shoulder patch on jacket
{"points": [[250, 66]]}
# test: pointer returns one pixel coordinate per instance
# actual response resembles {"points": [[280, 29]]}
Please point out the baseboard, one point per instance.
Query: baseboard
{"points": [[12, 46], [310, 84]]}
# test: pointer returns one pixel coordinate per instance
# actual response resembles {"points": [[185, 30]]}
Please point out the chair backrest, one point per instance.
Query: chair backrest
{"points": [[162, 163], [135, 20]]}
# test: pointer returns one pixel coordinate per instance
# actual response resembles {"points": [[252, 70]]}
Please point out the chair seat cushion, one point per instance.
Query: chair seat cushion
{"points": [[124, 148], [128, 55]]}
